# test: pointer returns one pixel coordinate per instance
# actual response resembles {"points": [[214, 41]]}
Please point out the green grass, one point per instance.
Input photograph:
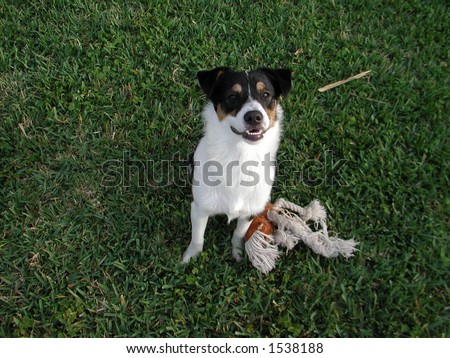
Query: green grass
{"points": [[82, 83]]}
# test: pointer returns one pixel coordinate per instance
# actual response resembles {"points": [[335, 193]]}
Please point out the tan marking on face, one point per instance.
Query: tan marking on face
{"points": [[219, 73], [237, 88], [260, 87], [272, 113], [221, 114]]}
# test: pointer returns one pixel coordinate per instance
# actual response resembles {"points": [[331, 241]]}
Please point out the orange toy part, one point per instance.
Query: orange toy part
{"points": [[260, 223]]}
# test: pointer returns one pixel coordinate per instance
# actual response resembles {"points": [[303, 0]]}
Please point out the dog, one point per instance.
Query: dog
{"points": [[234, 163]]}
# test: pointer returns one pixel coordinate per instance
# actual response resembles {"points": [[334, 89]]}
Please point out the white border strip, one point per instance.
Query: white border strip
{"points": [[230, 347]]}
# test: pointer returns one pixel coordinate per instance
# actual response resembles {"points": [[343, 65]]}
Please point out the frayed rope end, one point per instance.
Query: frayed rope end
{"points": [[261, 252]]}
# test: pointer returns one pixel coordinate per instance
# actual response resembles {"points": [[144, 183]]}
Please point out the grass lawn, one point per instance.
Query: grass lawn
{"points": [[91, 89]]}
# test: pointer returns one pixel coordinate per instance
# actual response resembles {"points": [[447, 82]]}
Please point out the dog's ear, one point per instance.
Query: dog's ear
{"points": [[208, 79], [281, 80]]}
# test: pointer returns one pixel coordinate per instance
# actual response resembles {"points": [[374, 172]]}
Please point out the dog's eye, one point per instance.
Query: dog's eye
{"points": [[232, 97], [265, 95]]}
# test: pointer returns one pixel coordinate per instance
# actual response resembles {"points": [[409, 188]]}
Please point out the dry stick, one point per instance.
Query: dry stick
{"points": [[335, 84]]}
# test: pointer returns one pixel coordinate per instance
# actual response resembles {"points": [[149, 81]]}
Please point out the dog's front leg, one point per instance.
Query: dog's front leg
{"points": [[199, 219], [237, 241]]}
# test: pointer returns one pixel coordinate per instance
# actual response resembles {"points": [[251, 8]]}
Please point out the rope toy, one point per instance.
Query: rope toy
{"points": [[285, 224]]}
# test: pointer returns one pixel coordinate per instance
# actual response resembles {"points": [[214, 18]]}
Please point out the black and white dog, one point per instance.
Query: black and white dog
{"points": [[234, 163]]}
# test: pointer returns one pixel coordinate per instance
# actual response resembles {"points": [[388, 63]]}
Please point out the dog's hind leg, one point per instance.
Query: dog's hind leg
{"points": [[199, 219], [237, 241]]}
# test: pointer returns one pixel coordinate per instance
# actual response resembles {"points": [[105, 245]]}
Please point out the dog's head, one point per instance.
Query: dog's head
{"points": [[246, 101]]}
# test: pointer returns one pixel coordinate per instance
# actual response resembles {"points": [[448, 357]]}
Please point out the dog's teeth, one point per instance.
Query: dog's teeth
{"points": [[253, 133]]}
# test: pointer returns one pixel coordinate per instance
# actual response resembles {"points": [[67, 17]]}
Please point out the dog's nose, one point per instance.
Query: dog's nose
{"points": [[253, 117]]}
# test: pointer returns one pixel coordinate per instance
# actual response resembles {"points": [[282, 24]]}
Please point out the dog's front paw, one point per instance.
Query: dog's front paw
{"points": [[237, 253], [191, 253]]}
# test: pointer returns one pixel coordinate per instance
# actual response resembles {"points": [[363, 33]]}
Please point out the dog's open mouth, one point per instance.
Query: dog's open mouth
{"points": [[250, 134]]}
